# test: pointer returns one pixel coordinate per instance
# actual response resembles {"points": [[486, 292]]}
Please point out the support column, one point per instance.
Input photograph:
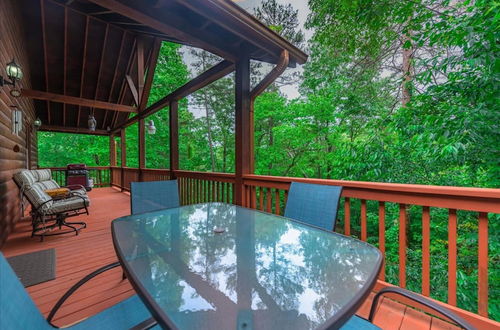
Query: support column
{"points": [[243, 126], [123, 146], [174, 138], [142, 148], [112, 151]]}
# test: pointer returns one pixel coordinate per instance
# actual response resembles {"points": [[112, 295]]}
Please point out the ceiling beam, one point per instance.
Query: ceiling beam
{"points": [[73, 130], [150, 72], [133, 89], [169, 30], [206, 78], [39, 95]]}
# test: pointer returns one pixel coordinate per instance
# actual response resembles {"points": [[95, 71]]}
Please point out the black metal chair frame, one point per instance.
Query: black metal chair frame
{"points": [[145, 325], [422, 301], [39, 219]]}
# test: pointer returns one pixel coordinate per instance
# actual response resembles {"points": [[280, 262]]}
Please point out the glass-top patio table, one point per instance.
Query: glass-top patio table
{"points": [[220, 266]]}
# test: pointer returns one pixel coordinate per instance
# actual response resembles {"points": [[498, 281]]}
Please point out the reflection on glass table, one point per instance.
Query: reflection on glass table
{"points": [[261, 271]]}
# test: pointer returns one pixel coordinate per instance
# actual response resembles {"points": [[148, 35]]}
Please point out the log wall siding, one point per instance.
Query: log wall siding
{"points": [[12, 45]]}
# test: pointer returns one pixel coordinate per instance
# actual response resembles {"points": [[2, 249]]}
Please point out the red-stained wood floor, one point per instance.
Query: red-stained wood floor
{"points": [[79, 255]]}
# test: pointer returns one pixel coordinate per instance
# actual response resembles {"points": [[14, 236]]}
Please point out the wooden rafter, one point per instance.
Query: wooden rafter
{"points": [[104, 44], [124, 33], [140, 68], [132, 88], [140, 17], [45, 62], [75, 130], [87, 22], [39, 95], [206, 78], [150, 72]]}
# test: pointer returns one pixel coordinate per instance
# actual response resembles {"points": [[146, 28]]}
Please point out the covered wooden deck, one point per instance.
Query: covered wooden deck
{"points": [[79, 255]]}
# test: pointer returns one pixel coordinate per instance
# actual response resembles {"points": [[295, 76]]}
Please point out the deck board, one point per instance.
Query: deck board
{"points": [[79, 255]]}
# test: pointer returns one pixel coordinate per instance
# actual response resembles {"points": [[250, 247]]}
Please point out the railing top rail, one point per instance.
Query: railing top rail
{"points": [[64, 168], [227, 177], [410, 188]]}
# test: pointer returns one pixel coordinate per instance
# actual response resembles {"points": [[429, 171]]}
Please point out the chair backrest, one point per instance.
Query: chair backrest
{"points": [[313, 204], [33, 184], [153, 195], [17, 310]]}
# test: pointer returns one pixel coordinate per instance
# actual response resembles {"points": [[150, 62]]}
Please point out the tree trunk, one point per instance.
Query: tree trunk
{"points": [[407, 72]]}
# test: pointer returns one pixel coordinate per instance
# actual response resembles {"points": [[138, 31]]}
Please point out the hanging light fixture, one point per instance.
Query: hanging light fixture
{"points": [[14, 73], [37, 123], [92, 123], [151, 127]]}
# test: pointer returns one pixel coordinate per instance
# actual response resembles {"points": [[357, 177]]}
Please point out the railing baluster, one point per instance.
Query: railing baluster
{"points": [[347, 216], [426, 252], [381, 236], [268, 200], [363, 220], [452, 257], [402, 245], [261, 199], [482, 261], [277, 201]]}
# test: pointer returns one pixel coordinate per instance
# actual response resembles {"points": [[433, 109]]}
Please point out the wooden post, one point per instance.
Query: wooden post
{"points": [[142, 148], [174, 138], [123, 146], [112, 151], [242, 127]]}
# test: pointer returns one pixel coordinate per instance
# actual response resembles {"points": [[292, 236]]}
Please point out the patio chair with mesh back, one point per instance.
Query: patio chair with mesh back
{"points": [[48, 212], [313, 204], [18, 311], [153, 196]]}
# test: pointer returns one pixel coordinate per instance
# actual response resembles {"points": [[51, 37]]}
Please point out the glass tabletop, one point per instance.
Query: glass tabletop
{"points": [[220, 266]]}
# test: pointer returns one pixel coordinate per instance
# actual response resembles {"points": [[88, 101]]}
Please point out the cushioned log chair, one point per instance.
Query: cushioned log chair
{"points": [[153, 196], [317, 205], [18, 311], [313, 204], [49, 212]]}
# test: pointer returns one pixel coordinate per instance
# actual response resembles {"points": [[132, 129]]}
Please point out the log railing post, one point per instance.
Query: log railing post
{"points": [[243, 126], [174, 138], [142, 149]]}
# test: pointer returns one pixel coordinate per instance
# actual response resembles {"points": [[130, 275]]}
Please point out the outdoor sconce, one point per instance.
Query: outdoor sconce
{"points": [[14, 73], [92, 123], [37, 123], [151, 127], [17, 120]]}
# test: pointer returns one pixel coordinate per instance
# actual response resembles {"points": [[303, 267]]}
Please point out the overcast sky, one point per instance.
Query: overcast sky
{"points": [[291, 91]]}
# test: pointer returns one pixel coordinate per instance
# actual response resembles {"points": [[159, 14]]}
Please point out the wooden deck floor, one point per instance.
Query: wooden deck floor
{"points": [[79, 255]]}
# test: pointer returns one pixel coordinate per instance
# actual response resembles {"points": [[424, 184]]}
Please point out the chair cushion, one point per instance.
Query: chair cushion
{"points": [[67, 204], [37, 196], [24, 178], [42, 175], [49, 184], [124, 315], [358, 323], [17, 310]]}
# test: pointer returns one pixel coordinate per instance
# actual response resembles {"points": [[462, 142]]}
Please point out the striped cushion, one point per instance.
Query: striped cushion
{"points": [[24, 178], [49, 184], [37, 196], [68, 204], [43, 175]]}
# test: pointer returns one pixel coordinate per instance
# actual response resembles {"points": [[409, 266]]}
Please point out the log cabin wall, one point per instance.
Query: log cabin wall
{"points": [[13, 45]]}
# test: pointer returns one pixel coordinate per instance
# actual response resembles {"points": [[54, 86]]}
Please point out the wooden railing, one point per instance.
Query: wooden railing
{"points": [[368, 211], [101, 175]]}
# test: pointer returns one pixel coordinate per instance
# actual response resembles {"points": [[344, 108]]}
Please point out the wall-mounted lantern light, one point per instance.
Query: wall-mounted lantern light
{"points": [[92, 123], [14, 73], [17, 120], [151, 127]]}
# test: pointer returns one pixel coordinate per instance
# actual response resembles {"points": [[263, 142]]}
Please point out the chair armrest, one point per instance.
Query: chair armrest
{"points": [[74, 187], [421, 300], [76, 286]]}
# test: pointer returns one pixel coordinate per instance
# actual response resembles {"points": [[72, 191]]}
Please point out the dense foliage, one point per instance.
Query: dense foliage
{"points": [[393, 91]]}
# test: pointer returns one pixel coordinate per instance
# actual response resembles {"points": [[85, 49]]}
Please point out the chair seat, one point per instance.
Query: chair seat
{"points": [[124, 315], [68, 204], [357, 323]]}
